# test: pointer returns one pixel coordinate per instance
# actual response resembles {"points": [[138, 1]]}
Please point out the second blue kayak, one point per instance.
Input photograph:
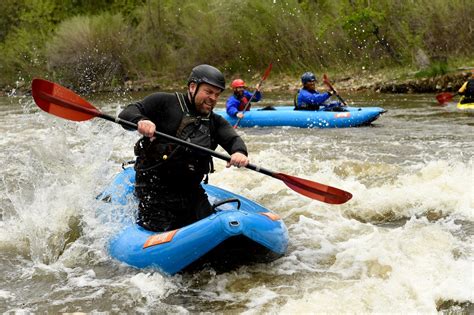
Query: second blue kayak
{"points": [[287, 116]]}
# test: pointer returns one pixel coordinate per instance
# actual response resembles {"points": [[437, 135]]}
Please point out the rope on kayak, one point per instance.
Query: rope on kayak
{"points": [[221, 202], [124, 164]]}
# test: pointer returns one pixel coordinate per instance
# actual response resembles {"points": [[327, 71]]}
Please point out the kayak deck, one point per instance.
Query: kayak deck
{"points": [[239, 232]]}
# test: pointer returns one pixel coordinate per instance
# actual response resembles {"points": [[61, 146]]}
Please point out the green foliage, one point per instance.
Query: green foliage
{"points": [[22, 47], [87, 52], [93, 7], [9, 18], [360, 24], [96, 43], [436, 68]]}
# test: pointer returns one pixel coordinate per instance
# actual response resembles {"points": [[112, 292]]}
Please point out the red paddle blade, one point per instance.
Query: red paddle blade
{"points": [[62, 102], [326, 81], [267, 72], [315, 190], [444, 97]]}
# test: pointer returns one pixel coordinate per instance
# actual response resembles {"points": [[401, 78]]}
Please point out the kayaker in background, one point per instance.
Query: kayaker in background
{"points": [[467, 90], [308, 98], [168, 176], [236, 103]]}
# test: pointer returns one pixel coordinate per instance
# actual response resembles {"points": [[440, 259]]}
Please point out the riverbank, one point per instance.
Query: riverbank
{"points": [[382, 82], [448, 82]]}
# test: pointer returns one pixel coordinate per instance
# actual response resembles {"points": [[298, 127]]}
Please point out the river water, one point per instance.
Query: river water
{"points": [[403, 244]]}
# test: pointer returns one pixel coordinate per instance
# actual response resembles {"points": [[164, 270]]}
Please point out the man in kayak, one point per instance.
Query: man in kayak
{"points": [[467, 90], [237, 102], [308, 98], [168, 176]]}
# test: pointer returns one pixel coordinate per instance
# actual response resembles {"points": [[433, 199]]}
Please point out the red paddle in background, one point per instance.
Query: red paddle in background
{"points": [[265, 76], [444, 98], [326, 81], [62, 102]]}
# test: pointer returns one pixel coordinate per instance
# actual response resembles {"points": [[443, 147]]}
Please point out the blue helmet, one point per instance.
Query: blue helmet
{"points": [[308, 77]]}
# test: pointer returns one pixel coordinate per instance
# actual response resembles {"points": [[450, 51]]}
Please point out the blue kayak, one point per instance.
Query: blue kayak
{"points": [[239, 232], [287, 116]]}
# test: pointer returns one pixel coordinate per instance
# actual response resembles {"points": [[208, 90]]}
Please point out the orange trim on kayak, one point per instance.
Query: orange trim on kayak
{"points": [[343, 115], [272, 216], [161, 238]]}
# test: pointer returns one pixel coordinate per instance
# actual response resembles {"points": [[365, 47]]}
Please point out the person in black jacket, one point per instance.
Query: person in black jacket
{"points": [[168, 175], [467, 90]]}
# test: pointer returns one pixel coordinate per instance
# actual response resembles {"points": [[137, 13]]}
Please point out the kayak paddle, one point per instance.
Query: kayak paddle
{"points": [[265, 75], [62, 102], [444, 97], [326, 81]]}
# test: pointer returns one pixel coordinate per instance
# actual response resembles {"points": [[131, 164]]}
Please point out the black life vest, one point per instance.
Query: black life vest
{"points": [[468, 94], [295, 100], [169, 158], [469, 88]]}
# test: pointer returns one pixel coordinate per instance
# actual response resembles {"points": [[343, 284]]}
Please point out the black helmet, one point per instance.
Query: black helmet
{"points": [[207, 74], [308, 77]]}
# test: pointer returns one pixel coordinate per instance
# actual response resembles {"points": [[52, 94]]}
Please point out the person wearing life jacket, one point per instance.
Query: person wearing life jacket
{"points": [[168, 175], [308, 98], [236, 103], [467, 90]]}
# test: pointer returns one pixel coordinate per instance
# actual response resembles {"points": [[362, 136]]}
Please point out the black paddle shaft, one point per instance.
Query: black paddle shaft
{"points": [[213, 153], [64, 103]]}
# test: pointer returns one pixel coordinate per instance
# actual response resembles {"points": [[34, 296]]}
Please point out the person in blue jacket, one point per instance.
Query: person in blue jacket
{"points": [[308, 98], [235, 104]]}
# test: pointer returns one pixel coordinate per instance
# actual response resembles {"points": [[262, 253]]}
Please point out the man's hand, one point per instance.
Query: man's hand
{"points": [[240, 115], [238, 159], [147, 128]]}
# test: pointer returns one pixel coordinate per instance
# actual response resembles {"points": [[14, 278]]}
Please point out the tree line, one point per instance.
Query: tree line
{"points": [[100, 44]]}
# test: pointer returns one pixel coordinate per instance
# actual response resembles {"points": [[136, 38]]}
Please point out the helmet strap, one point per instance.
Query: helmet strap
{"points": [[193, 95]]}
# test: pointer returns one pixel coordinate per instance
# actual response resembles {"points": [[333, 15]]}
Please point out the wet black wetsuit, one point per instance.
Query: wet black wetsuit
{"points": [[468, 92], [168, 176]]}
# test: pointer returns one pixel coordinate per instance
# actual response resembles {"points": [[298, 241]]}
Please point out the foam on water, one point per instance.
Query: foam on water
{"points": [[436, 189], [351, 263], [59, 182], [407, 269]]}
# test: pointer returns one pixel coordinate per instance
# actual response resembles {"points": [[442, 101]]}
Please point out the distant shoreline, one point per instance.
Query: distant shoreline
{"points": [[368, 82]]}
